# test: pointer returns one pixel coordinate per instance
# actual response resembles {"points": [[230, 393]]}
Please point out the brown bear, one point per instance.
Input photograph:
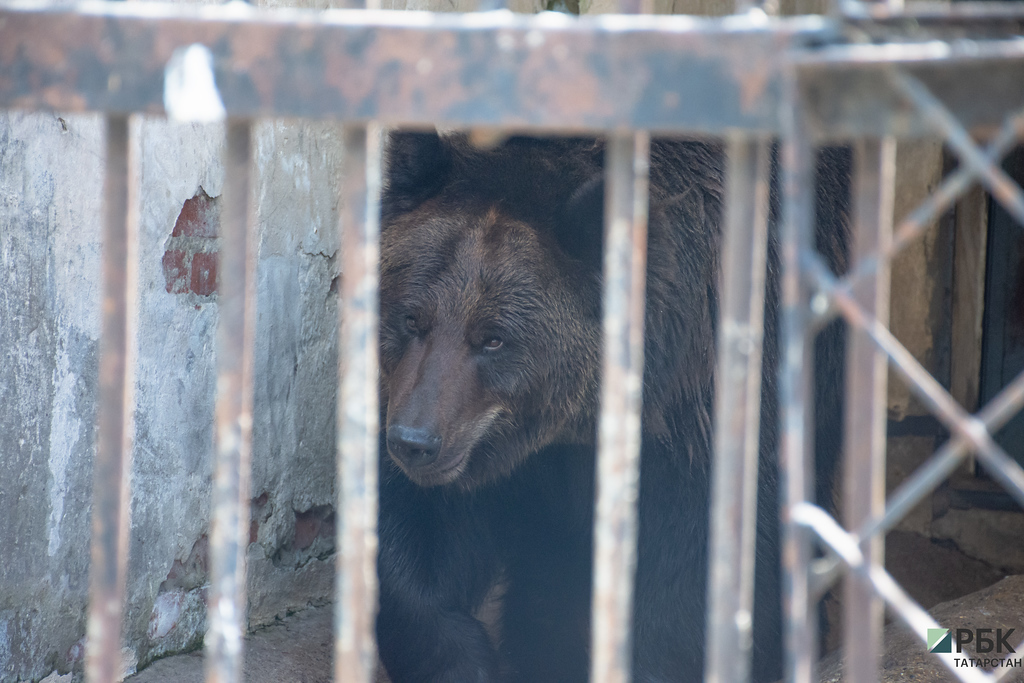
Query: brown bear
{"points": [[490, 352]]}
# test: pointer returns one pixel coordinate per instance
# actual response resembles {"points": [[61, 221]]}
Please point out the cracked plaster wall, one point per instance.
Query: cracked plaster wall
{"points": [[51, 170]]}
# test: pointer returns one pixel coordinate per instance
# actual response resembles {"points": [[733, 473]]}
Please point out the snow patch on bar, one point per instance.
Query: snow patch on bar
{"points": [[190, 90]]}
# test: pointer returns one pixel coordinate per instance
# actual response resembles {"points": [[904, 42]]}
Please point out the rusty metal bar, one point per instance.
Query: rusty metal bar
{"points": [[474, 70], [358, 411], [737, 413], [795, 389], [236, 308], [618, 459], [866, 382], [111, 470]]}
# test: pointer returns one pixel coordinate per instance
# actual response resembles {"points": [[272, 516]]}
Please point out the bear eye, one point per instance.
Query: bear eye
{"points": [[493, 344], [410, 324]]}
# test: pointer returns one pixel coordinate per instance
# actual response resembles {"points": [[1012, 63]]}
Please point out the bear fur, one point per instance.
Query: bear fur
{"points": [[490, 344]]}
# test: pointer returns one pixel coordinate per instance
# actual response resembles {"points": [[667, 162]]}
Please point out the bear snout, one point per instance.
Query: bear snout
{"points": [[413, 447]]}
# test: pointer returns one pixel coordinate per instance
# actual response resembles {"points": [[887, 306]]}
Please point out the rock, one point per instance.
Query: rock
{"points": [[932, 572], [905, 659]]}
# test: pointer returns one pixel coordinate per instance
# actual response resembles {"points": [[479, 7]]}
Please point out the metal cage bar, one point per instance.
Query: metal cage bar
{"points": [[738, 412], [112, 467], [866, 384], [236, 307], [618, 459], [358, 412], [795, 390]]}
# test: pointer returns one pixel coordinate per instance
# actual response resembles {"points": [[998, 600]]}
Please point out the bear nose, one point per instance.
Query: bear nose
{"points": [[414, 447]]}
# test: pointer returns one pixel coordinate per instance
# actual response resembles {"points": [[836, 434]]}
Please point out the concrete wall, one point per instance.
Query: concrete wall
{"points": [[49, 326], [50, 191]]}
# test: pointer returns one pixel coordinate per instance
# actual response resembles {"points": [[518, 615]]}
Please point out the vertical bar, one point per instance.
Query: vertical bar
{"points": [[795, 386], [866, 377], [618, 459], [236, 304], [737, 413], [358, 411], [111, 486], [355, 578]]}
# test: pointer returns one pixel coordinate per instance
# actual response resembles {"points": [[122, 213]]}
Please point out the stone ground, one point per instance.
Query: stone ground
{"points": [[296, 650], [299, 649], [905, 659]]}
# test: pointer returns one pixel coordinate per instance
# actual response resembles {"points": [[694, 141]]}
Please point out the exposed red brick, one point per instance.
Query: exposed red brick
{"points": [[199, 217], [204, 274], [176, 273]]}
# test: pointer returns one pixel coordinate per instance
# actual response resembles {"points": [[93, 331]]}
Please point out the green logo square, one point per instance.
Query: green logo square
{"points": [[940, 640]]}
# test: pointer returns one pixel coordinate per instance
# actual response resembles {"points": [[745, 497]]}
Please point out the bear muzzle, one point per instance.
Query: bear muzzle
{"points": [[419, 453], [412, 447]]}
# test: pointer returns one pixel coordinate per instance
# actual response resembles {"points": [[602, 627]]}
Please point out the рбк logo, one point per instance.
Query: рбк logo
{"points": [[940, 641], [982, 638], [987, 641]]}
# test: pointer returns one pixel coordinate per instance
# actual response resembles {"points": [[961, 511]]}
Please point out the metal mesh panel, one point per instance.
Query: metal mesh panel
{"points": [[851, 297]]}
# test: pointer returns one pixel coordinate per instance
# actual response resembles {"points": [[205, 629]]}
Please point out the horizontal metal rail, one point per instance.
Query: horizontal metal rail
{"points": [[488, 69], [498, 69]]}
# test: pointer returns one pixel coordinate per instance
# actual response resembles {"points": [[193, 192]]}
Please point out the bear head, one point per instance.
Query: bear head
{"points": [[490, 303]]}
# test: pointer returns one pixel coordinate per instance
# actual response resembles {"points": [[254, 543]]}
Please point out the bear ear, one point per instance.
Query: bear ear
{"points": [[580, 226], [418, 163]]}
